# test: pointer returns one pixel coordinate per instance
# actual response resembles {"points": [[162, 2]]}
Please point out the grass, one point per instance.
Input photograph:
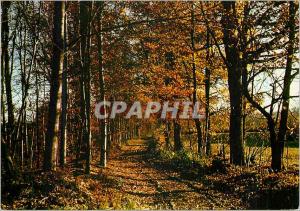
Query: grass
{"points": [[255, 143], [257, 186], [290, 155]]}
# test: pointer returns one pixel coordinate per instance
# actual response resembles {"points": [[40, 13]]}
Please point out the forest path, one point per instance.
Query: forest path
{"points": [[135, 178], [149, 186]]}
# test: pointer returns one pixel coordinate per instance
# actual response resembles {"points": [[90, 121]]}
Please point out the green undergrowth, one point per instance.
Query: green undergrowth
{"points": [[183, 160], [257, 188]]}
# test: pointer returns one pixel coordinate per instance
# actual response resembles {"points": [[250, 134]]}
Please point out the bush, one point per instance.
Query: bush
{"points": [[166, 154], [219, 165], [183, 158], [152, 145], [180, 159], [257, 140]]}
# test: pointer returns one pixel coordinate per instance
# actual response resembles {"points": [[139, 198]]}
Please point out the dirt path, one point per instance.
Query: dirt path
{"points": [[137, 179], [155, 188]]}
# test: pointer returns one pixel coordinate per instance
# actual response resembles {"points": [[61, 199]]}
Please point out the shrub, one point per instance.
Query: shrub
{"points": [[183, 158], [152, 145]]}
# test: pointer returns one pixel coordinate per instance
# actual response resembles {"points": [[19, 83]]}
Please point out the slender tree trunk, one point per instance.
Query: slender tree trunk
{"points": [[6, 159], [207, 100], [7, 72], [103, 122], [82, 121], [37, 113], [25, 134], [31, 149], [112, 137], [207, 113], [79, 140], [64, 100], [167, 134], [24, 139], [177, 140], [22, 136], [50, 156], [287, 82], [120, 131], [244, 117], [37, 122], [85, 51], [3, 120], [197, 121]]}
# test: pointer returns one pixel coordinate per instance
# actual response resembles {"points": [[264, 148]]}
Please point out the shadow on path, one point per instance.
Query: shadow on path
{"points": [[139, 175]]}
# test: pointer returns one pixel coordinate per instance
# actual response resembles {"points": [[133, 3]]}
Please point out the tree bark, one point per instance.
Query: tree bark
{"points": [[7, 72], [5, 150], [85, 51], [167, 134], [64, 100], [234, 81], [207, 100], [37, 116], [286, 84], [6, 158], [50, 156], [3, 120], [103, 122], [177, 140], [197, 121]]}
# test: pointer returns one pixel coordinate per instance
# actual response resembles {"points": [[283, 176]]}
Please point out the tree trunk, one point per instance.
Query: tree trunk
{"points": [[64, 101], [167, 134], [236, 137], [7, 72], [275, 147], [37, 116], [177, 141], [6, 158], [207, 100], [31, 149], [103, 122], [197, 121], [207, 112], [55, 87], [287, 82], [85, 51], [3, 120], [234, 82]]}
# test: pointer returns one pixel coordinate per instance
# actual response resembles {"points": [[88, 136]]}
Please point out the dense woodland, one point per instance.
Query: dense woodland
{"points": [[240, 60]]}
